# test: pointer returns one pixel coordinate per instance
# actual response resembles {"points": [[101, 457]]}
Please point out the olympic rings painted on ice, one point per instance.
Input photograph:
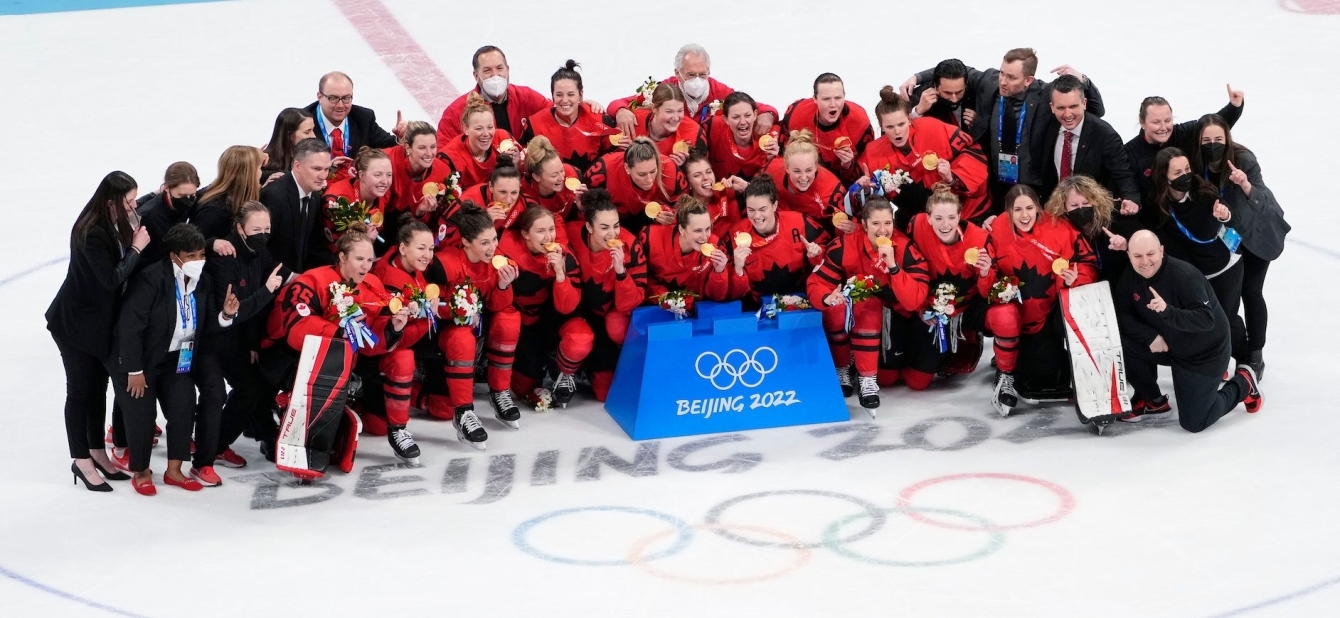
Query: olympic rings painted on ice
{"points": [[683, 529], [803, 555], [875, 513], [994, 542], [1067, 500], [743, 371]]}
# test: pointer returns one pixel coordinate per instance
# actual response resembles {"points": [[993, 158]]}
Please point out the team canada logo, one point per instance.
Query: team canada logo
{"points": [[303, 310]]}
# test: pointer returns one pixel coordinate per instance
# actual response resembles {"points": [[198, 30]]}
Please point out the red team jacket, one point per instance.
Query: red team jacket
{"points": [[535, 284], [853, 123], [390, 270], [562, 202], [349, 190], [928, 135], [669, 269], [603, 290], [609, 172], [853, 254], [778, 264], [303, 308], [947, 263], [451, 268], [1030, 256], [688, 132], [727, 157], [482, 195], [472, 172], [819, 202], [522, 102], [578, 145], [406, 188]]}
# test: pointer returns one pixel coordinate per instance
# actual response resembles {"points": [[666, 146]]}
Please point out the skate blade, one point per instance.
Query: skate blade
{"points": [[410, 462], [512, 424], [872, 412]]}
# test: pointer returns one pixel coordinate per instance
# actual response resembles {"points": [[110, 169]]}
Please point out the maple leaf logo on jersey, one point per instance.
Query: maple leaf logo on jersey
{"points": [[595, 297], [779, 280], [528, 284], [1033, 285]]}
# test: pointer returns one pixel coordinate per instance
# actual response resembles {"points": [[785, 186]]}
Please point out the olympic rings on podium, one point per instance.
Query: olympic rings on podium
{"points": [[803, 555], [1067, 500], [994, 542], [683, 529], [875, 513]]}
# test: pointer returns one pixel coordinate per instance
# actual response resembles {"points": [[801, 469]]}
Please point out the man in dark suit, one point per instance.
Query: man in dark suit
{"points": [[1078, 142], [295, 204], [946, 97], [1014, 116], [343, 126]]}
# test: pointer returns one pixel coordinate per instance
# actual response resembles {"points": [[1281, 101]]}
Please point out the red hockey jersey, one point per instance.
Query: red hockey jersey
{"points": [[819, 202], [406, 187], [853, 124], [729, 158], [604, 290], [349, 190], [1030, 256], [472, 171], [451, 268], [948, 263], [609, 172], [778, 263], [535, 283], [853, 255], [669, 269], [688, 131], [303, 307], [522, 102], [928, 136], [578, 145]]}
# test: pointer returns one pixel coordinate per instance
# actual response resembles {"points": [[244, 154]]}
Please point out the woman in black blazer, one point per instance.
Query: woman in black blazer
{"points": [[104, 248], [173, 202], [238, 182], [165, 309]]}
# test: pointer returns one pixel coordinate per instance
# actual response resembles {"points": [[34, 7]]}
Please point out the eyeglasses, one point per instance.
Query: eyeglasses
{"points": [[348, 98]]}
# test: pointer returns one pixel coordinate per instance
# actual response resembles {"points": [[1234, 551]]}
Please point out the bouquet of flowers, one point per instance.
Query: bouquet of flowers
{"points": [[644, 92], [860, 288], [943, 317], [678, 302], [466, 305], [425, 300], [343, 213], [890, 183], [773, 305], [346, 311], [713, 107], [542, 399], [1005, 290]]}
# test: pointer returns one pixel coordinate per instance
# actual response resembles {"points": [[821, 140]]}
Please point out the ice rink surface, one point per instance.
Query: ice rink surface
{"points": [[938, 508]]}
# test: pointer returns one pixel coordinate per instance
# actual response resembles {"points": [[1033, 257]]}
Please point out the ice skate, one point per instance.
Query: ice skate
{"points": [[468, 427], [869, 394], [402, 443], [564, 388], [504, 409], [1004, 398], [844, 380]]}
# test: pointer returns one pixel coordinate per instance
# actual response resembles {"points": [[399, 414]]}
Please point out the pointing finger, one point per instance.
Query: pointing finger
{"points": [[276, 270], [1108, 232]]}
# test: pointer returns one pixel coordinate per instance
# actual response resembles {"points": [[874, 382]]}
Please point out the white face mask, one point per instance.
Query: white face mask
{"points": [[495, 87], [695, 88], [193, 268]]}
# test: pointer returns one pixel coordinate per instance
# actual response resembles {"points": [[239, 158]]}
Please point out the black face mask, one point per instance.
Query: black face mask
{"points": [[1081, 217], [1212, 152], [257, 242], [183, 203], [1182, 183]]}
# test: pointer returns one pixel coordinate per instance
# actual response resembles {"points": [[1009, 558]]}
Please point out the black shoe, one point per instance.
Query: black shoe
{"points": [[79, 476], [844, 380], [268, 451], [1141, 408], [402, 443], [110, 475], [1257, 364], [505, 409]]}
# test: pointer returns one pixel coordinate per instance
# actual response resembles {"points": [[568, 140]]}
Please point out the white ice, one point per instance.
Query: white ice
{"points": [[1164, 523]]}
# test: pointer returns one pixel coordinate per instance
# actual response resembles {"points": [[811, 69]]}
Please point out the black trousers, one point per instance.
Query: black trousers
{"points": [[1228, 291], [175, 393], [223, 414], [1200, 400], [85, 399], [1253, 298]]}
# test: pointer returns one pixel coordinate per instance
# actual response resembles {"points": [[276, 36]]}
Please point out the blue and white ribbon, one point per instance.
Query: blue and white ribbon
{"points": [[358, 333]]}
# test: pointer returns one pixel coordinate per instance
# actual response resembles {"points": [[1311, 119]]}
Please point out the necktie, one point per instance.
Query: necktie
{"points": [[305, 201], [1065, 155], [336, 143]]}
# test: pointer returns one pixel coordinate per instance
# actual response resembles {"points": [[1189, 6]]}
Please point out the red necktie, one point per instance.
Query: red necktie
{"points": [[338, 144], [1065, 155]]}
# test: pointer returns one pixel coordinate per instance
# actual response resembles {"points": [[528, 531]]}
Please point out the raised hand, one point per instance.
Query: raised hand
{"points": [[1235, 97], [1238, 177], [1221, 212], [1115, 242], [230, 302], [273, 282], [1157, 305]]}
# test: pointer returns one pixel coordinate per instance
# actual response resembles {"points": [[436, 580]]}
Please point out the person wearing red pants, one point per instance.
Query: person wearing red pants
{"points": [[546, 294], [401, 272], [947, 241], [473, 281], [1043, 254], [879, 251], [611, 280]]}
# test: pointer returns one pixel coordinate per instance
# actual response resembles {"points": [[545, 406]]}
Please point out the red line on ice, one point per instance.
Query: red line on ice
{"points": [[394, 45]]}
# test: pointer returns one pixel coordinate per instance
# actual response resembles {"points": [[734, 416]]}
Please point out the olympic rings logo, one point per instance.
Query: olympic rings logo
{"points": [[839, 536], [748, 370]]}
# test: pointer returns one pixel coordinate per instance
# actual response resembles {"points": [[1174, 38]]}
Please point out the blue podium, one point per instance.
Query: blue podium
{"points": [[723, 371]]}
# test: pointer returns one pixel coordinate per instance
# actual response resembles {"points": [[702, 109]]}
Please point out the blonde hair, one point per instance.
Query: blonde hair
{"points": [[538, 152], [415, 128], [800, 142], [1097, 195], [238, 181], [941, 193], [474, 104], [642, 150]]}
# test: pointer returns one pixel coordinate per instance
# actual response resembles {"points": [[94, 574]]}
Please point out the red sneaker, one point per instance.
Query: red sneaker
{"points": [[145, 488], [230, 459], [120, 459], [1141, 408], [158, 431], [206, 476], [188, 483], [1253, 399]]}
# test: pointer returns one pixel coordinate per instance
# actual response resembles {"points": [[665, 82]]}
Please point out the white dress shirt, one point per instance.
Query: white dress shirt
{"points": [[1074, 147]]}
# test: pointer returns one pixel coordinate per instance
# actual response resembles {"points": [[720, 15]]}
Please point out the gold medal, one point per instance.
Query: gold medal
{"points": [[552, 247], [616, 138], [883, 241], [1060, 265], [653, 210], [431, 291], [395, 305], [499, 261], [572, 184], [708, 249], [842, 142], [743, 239], [766, 140], [376, 218], [431, 189], [839, 218], [930, 160], [613, 242], [680, 148], [719, 186], [506, 145], [971, 255]]}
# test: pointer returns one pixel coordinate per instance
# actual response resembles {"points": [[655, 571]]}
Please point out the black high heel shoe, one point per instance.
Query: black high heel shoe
{"points": [[79, 476], [110, 475]]}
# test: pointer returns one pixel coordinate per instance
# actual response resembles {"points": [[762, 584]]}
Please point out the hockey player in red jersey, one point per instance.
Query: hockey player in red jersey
{"points": [[721, 197], [687, 256], [876, 250], [663, 122], [633, 181], [501, 195], [371, 184], [414, 164], [731, 145], [955, 253], [840, 128], [806, 187], [550, 183], [474, 154], [779, 248], [477, 285], [930, 152], [546, 292], [1037, 254], [577, 134]]}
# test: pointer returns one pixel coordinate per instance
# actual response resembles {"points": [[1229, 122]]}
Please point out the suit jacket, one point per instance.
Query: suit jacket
{"points": [[983, 90], [1099, 155], [1258, 217], [969, 102], [148, 318], [363, 129], [296, 242], [84, 310]]}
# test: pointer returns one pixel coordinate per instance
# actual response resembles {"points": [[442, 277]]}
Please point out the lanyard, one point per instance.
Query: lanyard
{"points": [[185, 307], [1206, 175], [1000, 125], [1186, 232], [344, 128]]}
